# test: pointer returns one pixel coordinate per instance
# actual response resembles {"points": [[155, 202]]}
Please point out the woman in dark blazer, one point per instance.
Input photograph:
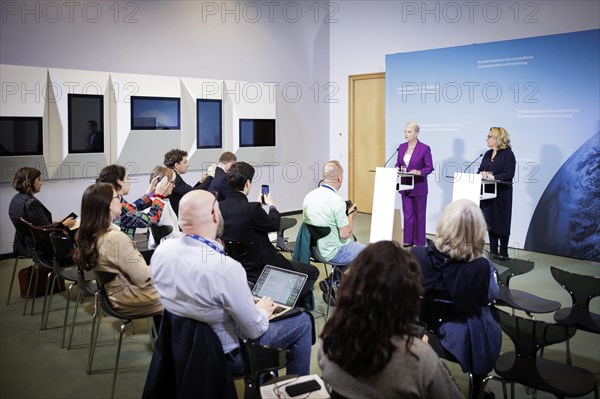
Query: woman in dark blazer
{"points": [[416, 157], [498, 164]]}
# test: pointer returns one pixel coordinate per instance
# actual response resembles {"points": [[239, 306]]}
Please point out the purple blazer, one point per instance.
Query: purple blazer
{"points": [[420, 160]]}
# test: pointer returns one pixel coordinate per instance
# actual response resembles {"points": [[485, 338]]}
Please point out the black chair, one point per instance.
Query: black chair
{"points": [[524, 366], [239, 250], [159, 232], [282, 242], [86, 282], [43, 257], [188, 361], [22, 249], [260, 360], [518, 299], [105, 307], [433, 313], [316, 233], [63, 267], [582, 289]]}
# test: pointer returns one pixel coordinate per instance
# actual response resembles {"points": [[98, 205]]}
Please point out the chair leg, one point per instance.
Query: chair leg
{"points": [[79, 299], [34, 272], [46, 311], [12, 279], [94, 339], [64, 329], [114, 383]]}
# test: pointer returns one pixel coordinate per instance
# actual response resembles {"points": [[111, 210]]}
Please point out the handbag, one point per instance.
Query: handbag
{"points": [[27, 273]]}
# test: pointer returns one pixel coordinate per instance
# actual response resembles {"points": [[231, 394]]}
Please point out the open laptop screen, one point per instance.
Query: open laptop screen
{"points": [[283, 286]]}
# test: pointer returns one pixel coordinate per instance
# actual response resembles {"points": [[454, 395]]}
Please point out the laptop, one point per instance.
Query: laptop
{"points": [[281, 285]]}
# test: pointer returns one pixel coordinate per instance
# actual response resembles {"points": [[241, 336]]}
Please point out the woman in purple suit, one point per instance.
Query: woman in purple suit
{"points": [[416, 157]]}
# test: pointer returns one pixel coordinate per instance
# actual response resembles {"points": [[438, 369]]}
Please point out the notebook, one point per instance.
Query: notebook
{"points": [[281, 285]]}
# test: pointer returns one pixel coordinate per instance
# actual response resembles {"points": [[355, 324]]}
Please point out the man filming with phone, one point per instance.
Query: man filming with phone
{"points": [[246, 221]]}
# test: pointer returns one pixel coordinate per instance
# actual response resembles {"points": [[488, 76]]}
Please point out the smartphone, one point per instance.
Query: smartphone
{"points": [[265, 191], [71, 215], [302, 387]]}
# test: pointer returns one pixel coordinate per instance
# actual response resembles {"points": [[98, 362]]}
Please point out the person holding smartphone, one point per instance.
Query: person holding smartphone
{"points": [[28, 182], [247, 221]]}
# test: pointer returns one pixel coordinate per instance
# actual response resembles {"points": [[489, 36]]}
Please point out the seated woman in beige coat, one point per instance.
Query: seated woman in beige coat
{"points": [[102, 246]]}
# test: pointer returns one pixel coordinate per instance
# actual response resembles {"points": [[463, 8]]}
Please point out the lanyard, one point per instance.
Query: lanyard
{"points": [[329, 187], [205, 241]]}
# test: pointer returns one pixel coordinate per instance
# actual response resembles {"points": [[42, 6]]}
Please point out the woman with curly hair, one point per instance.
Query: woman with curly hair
{"points": [[367, 348], [102, 246]]}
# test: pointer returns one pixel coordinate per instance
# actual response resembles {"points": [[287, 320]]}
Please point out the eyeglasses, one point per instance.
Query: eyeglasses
{"points": [[489, 136]]}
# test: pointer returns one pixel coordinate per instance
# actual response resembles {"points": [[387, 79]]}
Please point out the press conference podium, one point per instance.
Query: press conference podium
{"points": [[471, 186], [386, 222]]}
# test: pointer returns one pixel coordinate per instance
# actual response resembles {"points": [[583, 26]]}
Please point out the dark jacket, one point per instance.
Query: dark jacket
{"points": [[219, 184], [247, 221], [188, 362], [498, 211], [182, 188]]}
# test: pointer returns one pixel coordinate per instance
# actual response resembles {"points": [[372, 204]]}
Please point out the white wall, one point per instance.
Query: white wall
{"points": [[299, 53], [366, 31], [280, 44]]}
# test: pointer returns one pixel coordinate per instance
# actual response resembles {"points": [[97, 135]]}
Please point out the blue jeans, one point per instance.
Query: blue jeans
{"points": [[293, 333], [348, 252]]}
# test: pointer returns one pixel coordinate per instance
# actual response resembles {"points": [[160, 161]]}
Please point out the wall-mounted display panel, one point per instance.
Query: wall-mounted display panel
{"points": [[155, 113], [86, 123], [21, 135], [209, 126], [257, 132]]}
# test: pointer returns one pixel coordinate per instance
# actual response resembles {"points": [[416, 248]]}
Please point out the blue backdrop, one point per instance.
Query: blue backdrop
{"points": [[545, 91]]}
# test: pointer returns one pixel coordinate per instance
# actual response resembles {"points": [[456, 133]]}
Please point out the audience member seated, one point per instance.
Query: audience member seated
{"points": [[247, 221], [177, 160], [28, 181], [219, 183], [131, 216], [101, 246], [168, 216], [196, 279], [325, 207], [454, 269], [367, 347]]}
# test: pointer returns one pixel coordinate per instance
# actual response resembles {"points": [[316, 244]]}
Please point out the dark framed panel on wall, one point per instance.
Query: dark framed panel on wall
{"points": [[155, 113], [209, 126], [21, 135], [86, 123], [257, 132]]}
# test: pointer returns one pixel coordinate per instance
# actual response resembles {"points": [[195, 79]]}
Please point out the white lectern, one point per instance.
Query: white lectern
{"points": [[467, 185], [384, 205]]}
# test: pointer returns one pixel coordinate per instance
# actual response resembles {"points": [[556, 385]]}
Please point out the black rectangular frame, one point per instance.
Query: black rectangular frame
{"points": [[74, 127], [40, 134], [138, 126]]}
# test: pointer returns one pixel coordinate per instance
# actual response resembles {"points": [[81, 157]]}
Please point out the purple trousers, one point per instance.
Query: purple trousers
{"points": [[414, 209]]}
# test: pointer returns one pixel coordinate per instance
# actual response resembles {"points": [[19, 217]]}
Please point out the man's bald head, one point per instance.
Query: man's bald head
{"points": [[196, 214], [333, 173]]}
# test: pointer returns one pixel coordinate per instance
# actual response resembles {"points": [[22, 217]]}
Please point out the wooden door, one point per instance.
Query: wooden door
{"points": [[366, 136]]}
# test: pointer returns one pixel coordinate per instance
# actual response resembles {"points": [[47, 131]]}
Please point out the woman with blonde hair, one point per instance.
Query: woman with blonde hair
{"points": [[168, 216], [414, 157], [455, 271], [498, 164]]}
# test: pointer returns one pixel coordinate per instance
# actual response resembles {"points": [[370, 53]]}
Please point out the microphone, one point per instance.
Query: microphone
{"points": [[475, 160], [386, 162]]}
